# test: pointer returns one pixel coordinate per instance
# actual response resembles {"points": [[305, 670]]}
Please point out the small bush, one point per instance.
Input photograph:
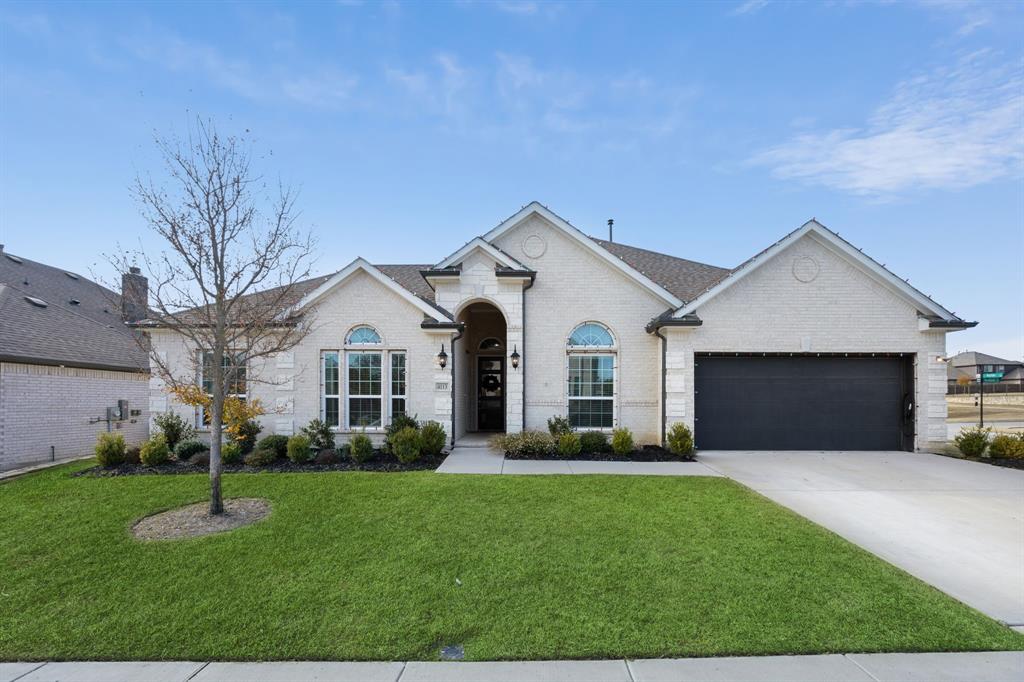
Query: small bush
{"points": [[298, 449], [405, 445], [398, 423], [174, 428], [360, 447], [559, 426], [622, 441], [277, 443], [327, 456], [569, 445], [247, 434], [593, 442], [110, 449], [262, 458], [186, 449], [131, 455], [1007, 446], [525, 444], [155, 451], [972, 440], [201, 459], [319, 434], [230, 453], [432, 439], [680, 440]]}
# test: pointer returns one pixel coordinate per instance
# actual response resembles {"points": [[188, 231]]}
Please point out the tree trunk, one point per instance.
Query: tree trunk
{"points": [[216, 429]]}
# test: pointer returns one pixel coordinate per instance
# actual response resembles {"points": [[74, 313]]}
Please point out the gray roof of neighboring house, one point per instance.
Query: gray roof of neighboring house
{"points": [[972, 358], [683, 278], [89, 333]]}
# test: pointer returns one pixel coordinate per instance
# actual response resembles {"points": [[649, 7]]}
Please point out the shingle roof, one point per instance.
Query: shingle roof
{"points": [[684, 278], [971, 358], [89, 333]]}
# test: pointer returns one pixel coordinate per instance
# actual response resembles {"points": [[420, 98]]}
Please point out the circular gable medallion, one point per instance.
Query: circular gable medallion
{"points": [[805, 269], [534, 246]]}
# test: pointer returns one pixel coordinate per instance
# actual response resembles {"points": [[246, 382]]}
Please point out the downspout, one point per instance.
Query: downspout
{"points": [[454, 339], [530, 284], [664, 371]]}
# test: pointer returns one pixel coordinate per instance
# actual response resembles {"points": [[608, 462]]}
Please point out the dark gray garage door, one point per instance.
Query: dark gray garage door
{"points": [[803, 402]]}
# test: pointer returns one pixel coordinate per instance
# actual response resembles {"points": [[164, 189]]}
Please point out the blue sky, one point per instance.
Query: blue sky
{"points": [[706, 130]]}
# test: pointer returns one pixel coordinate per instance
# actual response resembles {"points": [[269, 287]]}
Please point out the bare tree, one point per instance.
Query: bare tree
{"points": [[226, 280]]}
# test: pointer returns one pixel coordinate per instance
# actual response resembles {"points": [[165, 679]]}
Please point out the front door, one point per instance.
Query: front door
{"points": [[490, 394]]}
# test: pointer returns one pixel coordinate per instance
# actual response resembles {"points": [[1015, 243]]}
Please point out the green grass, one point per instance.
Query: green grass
{"points": [[364, 566]]}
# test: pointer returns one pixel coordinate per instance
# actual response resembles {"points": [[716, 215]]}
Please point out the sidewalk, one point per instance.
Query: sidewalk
{"points": [[933, 667]]}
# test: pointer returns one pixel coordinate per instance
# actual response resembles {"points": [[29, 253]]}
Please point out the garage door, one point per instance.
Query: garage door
{"points": [[803, 402]]}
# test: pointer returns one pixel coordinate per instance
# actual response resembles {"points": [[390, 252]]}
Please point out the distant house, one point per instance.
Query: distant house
{"points": [[967, 366], [70, 368]]}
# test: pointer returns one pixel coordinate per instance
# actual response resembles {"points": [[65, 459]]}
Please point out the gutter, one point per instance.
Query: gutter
{"points": [[951, 324], [72, 364], [434, 324], [664, 382], [657, 323], [523, 354]]}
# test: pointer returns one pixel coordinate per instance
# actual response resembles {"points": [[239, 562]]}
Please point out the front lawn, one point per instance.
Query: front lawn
{"points": [[395, 566]]}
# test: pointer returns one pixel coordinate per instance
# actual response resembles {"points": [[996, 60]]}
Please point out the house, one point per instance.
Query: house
{"points": [[70, 367], [810, 344], [963, 369]]}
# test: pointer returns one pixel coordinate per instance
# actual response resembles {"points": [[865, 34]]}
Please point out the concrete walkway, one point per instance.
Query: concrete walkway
{"points": [[955, 524], [472, 455], [937, 667]]}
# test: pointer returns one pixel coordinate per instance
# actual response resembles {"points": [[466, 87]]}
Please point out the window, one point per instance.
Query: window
{"points": [[490, 344], [331, 403], [365, 389], [363, 336], [234, 379], [591, 376], [398, 384]]}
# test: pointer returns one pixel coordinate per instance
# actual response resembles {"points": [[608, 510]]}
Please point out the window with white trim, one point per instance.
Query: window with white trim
{"points": [[398, 383], [365, 389], [235, 385], [363, 336], [330, 402], [591, 377]]}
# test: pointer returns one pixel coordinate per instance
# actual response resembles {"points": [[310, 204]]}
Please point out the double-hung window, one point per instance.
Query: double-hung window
{"points": [[363, 385], [398, 384], [330, 404], [591, 377], [365, 389], [235, 386]]}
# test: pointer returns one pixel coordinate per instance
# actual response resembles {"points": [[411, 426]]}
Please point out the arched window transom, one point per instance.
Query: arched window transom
{"points": [[491, 344], [363, 336], [591, 335]]}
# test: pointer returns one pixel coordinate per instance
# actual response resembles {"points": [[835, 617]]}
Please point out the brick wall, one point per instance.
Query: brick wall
{"points": [[43, 407]]}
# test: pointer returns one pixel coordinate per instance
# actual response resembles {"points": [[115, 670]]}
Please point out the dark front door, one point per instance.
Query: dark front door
{"points": [[490, 394], [803, 402]]}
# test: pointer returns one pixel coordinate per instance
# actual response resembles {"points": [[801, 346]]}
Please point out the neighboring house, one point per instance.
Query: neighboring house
{"points": [[810, 344], [965, 368], [66, 356]]}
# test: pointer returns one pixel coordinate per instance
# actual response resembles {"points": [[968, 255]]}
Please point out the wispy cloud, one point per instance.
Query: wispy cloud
{"points": [[951, 128], [749, 7]]}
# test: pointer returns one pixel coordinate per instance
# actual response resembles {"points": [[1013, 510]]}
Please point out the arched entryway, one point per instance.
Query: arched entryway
{"points": [[481, 374]]}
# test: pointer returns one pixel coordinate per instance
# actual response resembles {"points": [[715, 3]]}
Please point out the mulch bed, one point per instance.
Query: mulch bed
{"points": [[649, 453], [379, 462], [1000, 462], [195, 520]]}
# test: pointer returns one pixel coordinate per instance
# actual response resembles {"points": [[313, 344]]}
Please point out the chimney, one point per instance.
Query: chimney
{"points": [[611, 221], [134, 295]]}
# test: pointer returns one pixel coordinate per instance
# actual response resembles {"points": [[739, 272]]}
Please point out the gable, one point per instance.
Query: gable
{"points": [[477, 247]]}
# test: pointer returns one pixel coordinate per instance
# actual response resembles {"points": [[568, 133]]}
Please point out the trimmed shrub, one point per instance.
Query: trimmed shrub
{"points": [[569, 445], [398, 423], [559, 426], [972, 440], [360, 447], [622, 441], [525, 444], [262, 458], [593, 442], [319, 434], [278, 444], [680, 440], [405, 445], [230, 453], [432, 439], [131, 455], [174, 428], [186, 449], [110, 449], [154, 451], [1007, 446], [298, 449], [200, 459], [247, 434], [327, 456]]}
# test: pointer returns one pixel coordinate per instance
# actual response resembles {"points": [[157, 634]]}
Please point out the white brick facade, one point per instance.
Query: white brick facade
{"points": [[45, 412]]}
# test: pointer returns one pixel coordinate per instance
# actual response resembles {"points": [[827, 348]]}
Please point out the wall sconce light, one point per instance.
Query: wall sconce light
{"points": [[515, 357], [442, 358]]}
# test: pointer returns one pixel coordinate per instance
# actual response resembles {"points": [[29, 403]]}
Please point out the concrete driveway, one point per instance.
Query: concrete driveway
{"points": [[954, 524]]}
